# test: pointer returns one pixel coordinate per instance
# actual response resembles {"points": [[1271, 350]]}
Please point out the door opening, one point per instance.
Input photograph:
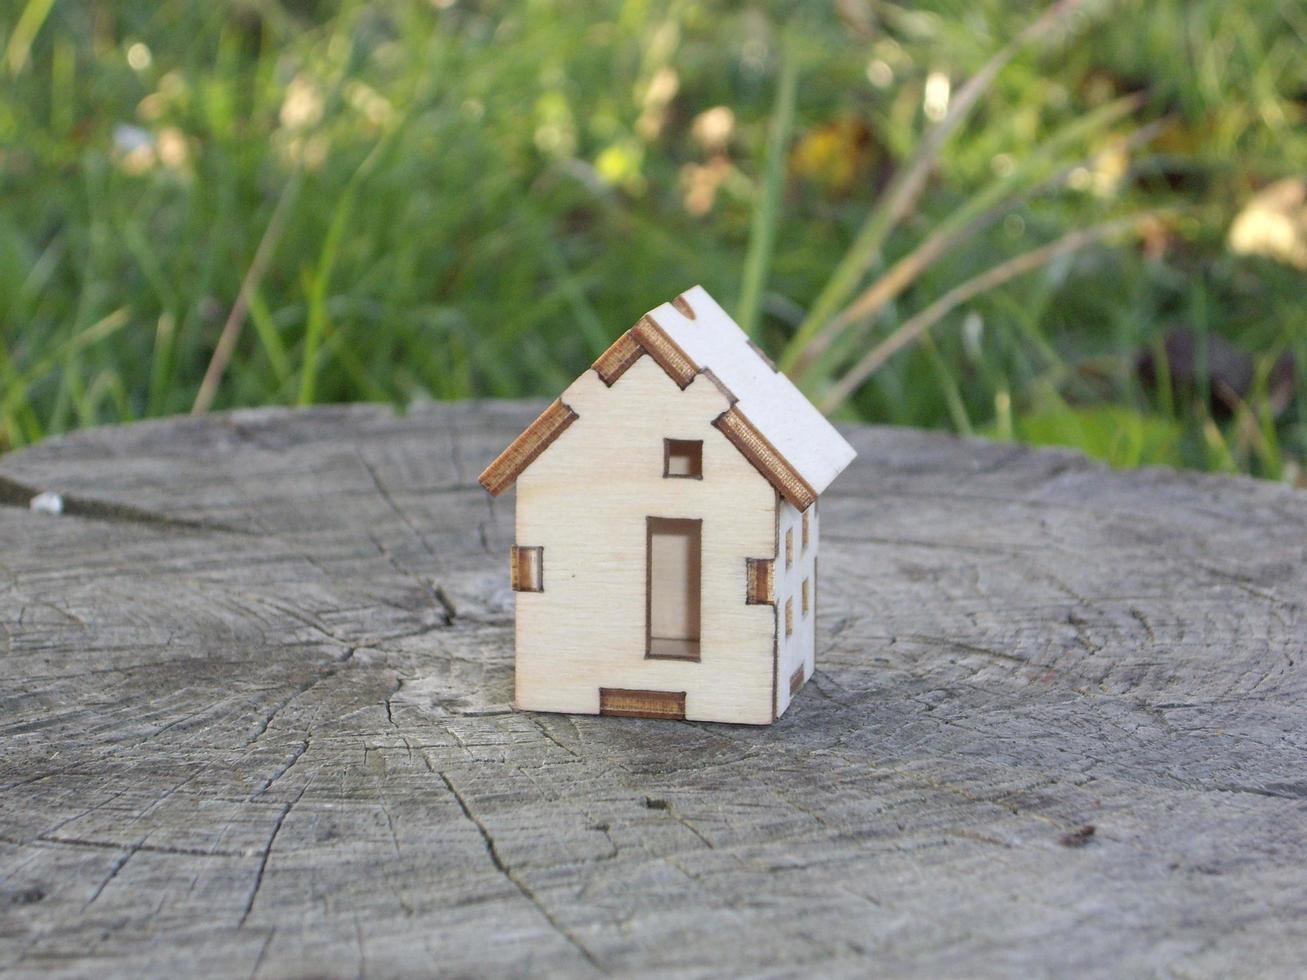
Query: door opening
{"points": [[672, 599]]}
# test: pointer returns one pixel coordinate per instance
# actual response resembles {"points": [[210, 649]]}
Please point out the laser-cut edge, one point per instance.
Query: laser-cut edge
{"points": [[517, 573], [759, 451], [642, 703], [526, 448], [647, 337]]}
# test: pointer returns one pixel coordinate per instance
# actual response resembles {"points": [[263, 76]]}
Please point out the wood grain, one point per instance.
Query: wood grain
{"points": [[254, 721], [588, 502]]}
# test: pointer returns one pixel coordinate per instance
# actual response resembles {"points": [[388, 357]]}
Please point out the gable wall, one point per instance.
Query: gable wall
{"points": [[586, 500]]}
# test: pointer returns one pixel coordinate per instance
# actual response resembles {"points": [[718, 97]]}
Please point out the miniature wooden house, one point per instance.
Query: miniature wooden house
{"points": [[667, 528]]}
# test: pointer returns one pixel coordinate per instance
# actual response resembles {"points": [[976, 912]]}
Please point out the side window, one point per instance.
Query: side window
{"points": [[683, 459], [806, 515], [789, 617], [528, 569], [760, 573], [789, 548], [796, 681], [805, 597]]}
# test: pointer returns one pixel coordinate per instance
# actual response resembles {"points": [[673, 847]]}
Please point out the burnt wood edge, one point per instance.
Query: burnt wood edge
{"points": [[766, 459], [646, 337], [521, 555], [667, 459], [524, 450], [646, 699], [760, 576], [618, 358]]}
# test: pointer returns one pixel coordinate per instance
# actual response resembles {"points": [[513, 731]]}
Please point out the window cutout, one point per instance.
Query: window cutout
{"points": [[622, 703], [805, 597], [806, 514], [683, 459], [672, 596], [789, 548], [796, 681], [528, 570], [789, 617], [760, 572]]}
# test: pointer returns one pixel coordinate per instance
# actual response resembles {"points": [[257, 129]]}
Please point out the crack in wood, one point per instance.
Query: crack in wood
{"points": [[116, 867], [914, 761], [513, 877], [15, 494], [267, 853]]}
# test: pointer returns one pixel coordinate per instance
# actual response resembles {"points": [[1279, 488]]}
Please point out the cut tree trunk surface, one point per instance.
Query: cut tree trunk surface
{"points": [[255, 719]]}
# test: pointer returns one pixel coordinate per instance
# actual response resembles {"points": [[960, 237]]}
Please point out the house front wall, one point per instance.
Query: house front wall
{"points": [[586, 502]]}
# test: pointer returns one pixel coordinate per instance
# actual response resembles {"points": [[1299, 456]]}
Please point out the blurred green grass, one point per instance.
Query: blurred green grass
{"points": [[473, 198]]}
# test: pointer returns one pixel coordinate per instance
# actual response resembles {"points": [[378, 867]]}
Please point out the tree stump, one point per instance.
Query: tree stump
{"points": [[255, 719]]}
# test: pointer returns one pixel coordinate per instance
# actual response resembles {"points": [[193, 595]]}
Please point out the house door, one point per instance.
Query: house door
{"points": [[672, 600]]}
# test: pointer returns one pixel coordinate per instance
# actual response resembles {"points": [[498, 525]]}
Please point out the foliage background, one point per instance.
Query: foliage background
{"points": [[468, 198]]}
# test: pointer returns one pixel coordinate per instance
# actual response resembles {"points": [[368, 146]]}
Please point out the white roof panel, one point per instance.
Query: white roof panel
{"points": [[767, 397]]}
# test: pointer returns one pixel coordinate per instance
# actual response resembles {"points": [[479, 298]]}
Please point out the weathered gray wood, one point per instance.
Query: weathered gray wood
{"points": [[254, 720]]}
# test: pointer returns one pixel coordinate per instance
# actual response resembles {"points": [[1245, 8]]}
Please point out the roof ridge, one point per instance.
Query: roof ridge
{"points": [[646, 337], [794, 479]]}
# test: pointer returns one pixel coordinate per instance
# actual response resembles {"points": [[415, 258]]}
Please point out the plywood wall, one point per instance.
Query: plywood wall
{"points": [[795, 565], [586, 502]]}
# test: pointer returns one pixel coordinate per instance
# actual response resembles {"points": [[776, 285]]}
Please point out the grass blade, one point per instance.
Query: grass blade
{"points": [[15, 396], [19, 48], [269, 338], [982, 211], [766, 214], [906, 186], [161, 364], [912, 328], [231, 329]]}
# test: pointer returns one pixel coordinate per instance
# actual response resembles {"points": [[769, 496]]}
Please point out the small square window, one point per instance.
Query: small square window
{"points": [[789, 548], [789, 617], [683, 459], [805, 597]]}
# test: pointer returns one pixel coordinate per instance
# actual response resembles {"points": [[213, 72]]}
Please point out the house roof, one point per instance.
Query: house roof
{"points": [[769, 421]]}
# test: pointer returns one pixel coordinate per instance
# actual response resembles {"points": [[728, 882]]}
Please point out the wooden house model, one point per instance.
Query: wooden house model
{"points": [[667, 528]]}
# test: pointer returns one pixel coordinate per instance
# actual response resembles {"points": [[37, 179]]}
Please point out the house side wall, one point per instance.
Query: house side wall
{"points": [[799, 648], [586, 502]]}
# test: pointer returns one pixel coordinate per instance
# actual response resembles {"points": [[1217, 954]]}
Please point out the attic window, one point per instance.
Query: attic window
{"points": [[683, 459]]}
